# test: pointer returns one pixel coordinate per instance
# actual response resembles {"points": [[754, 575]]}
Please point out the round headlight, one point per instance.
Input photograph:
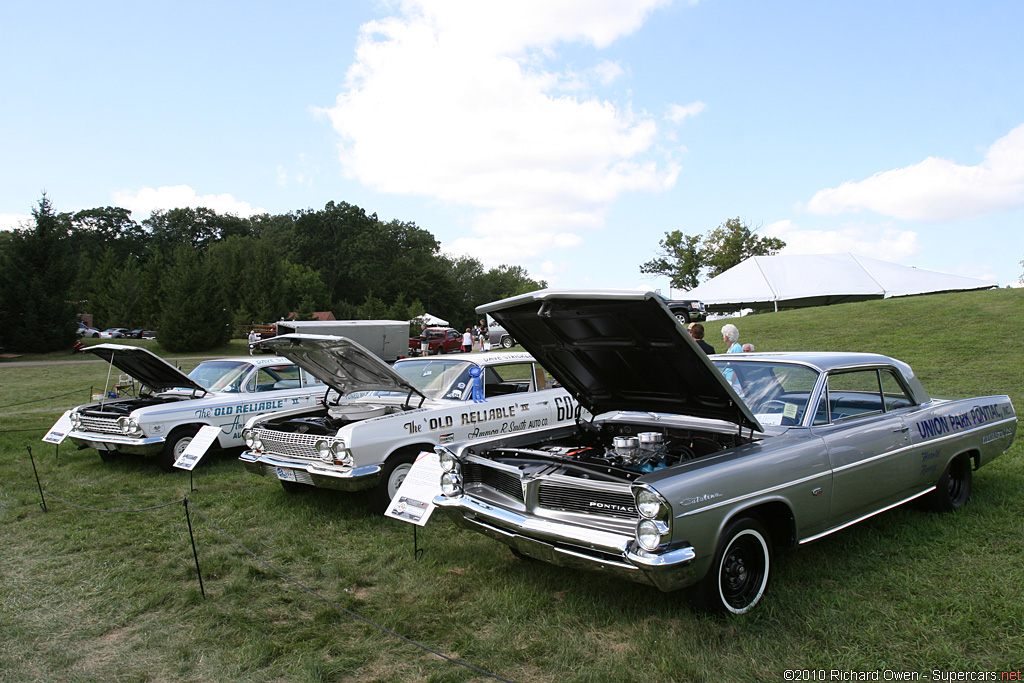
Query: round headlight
{"points": [[76, 420], [448, 461], [323, 449], [649, 534], [122, 425], [648, 503], [133, 427], [451, 484], [257, 445], [338, 448], [248, 437]]}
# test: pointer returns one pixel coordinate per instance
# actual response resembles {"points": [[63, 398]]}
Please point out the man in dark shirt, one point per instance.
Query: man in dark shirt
{"points": [[697, 332]]}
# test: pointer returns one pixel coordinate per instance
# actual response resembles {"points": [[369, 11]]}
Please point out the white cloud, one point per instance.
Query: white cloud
{"points": [[677, 113], [452, 100], [148, 199], [937, 189], [10, 221], [885, 243]]}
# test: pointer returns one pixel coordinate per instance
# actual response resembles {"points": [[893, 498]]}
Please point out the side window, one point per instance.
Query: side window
{"points": [[277, 377], [854, 394], [895, 395], [508, 379], [309, 380]]}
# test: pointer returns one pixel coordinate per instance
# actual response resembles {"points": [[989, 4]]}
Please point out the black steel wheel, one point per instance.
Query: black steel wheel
{"points": [[953, 488], [739, 574]]}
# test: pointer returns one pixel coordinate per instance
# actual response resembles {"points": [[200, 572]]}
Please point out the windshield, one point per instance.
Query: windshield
{"points": [[776, 393], [220, 375], [433, 378]]}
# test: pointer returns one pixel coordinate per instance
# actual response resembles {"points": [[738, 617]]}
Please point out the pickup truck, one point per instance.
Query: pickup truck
{"points": [[439, 339]]}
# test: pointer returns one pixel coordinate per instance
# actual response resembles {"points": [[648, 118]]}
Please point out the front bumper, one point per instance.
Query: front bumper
{"points": [[573, 546], [311, 473], [112, 442]]}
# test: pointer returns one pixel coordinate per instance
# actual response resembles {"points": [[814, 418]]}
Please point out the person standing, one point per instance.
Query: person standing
{"points": [[697, 332], [731, 336], [252, 341], [467, 341]]}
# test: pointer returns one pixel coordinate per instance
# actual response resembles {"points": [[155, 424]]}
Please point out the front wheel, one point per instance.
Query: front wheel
{"points": [[391, 477], [739, 575], [953, 488], [174, 446], [507, 342]]}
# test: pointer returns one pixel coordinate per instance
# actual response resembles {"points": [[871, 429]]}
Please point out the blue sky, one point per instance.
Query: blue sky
{"points": [[563, 136]]}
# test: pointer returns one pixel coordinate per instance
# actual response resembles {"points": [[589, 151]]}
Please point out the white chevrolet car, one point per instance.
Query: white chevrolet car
{"points": [[167, 407], [368, 434]]}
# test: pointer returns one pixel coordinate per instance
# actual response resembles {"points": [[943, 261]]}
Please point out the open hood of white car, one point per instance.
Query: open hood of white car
{"points": [[620, 350], [340, 363], [145, 366]]}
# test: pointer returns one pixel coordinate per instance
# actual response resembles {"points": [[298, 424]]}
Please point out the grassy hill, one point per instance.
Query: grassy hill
{"points": [[113, 596]]}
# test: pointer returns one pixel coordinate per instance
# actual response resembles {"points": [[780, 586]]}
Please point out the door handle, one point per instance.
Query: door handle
{"points": [[903, 429]]}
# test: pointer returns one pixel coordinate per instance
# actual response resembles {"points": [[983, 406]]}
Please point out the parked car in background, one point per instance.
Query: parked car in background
{"points": [[696, 470], [368, 433], [86, 331], [167, 407], [141, 334], [687, 311], [499, 335], [439, 339], [114, 333]]}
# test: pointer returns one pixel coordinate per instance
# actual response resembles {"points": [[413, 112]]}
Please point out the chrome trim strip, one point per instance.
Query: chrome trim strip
{"points": [[755, 494], [862, 518]]}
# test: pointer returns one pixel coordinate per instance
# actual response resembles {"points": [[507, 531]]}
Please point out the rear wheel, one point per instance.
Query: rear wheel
{"points": [[175, 445], [391, 477], [507, 342], [953, 488], [739, 575]]}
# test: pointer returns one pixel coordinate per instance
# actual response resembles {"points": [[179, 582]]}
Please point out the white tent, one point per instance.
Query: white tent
{"points": [[817, 280], [428, 320]]}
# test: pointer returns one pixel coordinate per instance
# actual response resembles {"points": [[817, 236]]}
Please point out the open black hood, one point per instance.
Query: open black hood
{"points": [[145, 366], [620, 350]]}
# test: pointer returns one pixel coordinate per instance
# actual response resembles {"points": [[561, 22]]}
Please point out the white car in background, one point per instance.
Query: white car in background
{"points": [[166, 407], [380, 417]]}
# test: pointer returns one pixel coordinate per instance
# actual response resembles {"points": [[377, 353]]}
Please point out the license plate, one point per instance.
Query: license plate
{"points": [[285, 474]]}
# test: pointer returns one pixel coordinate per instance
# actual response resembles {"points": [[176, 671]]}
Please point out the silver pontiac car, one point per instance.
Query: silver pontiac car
{"points": [[695, 469]]}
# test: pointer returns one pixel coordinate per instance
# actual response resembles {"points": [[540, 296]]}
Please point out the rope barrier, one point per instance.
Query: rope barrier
{"points": [[37, 400], [314, 593]]}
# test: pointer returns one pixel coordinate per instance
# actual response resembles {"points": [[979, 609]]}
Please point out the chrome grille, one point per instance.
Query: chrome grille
{"points": [[592, 502], [289, 444], [499, 480], [101, 425]]}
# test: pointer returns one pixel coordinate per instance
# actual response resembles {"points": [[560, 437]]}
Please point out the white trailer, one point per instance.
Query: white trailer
{"points": [[387, 339]]}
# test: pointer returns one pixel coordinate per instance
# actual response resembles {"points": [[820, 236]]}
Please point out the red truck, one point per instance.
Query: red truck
{"points": [[439, 339]]}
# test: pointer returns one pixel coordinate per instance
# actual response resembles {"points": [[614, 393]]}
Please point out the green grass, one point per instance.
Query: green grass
{"points": [[88, 596]]}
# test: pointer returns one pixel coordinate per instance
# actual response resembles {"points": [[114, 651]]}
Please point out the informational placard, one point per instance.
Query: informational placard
{"points": [[197, 448], [59, 431], [414, 500]]}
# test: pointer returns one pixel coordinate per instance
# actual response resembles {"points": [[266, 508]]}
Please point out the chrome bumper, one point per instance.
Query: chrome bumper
{"points": [[112, 442], [573, 546], [311, 473]]}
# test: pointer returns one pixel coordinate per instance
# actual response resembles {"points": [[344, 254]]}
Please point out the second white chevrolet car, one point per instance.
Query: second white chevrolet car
{"points": [[368, 435]]}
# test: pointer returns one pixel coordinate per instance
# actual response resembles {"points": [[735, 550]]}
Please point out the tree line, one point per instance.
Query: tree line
{"points": [[199, 277]]}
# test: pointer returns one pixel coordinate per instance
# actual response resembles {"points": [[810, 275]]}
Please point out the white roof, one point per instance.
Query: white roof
{"points": [[819, 279]]}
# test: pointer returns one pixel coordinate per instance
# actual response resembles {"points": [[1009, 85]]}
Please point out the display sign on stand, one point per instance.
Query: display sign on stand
{"points": [[59, 431]]}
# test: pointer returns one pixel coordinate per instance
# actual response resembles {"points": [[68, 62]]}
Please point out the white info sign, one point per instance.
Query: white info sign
{"points": [[414, 500], [59, 431], [197, 448]]}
